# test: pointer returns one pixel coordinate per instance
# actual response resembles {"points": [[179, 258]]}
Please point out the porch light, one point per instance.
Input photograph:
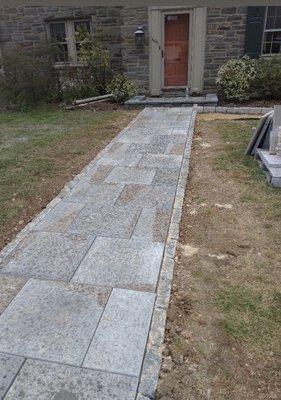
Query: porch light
{"points": [[139, 36]]}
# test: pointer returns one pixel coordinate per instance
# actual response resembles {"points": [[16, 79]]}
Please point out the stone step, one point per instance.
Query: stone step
{"points": [[188, 101]]}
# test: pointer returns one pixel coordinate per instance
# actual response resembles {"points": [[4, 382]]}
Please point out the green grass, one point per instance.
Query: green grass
{"points": [[250, 313], [245, 169], [40, 151]]}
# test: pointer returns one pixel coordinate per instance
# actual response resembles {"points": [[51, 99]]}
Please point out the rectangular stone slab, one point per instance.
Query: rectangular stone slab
{"points": [[39, 380], [124, 159], [142, 176], [98, 195], [47, 255], [109, 221], [133, 263], [163, 161], [9, 367], [119, 342], [9, 287], [156, 196], [51, 321], [60, 217], [153, 225]]}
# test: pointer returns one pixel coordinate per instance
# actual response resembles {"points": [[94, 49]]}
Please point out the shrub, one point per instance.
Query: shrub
{"points": [[245, 79], [76, 84], [93, 53], [29, 77], [236, 78], [268, 79], [121, 88]]}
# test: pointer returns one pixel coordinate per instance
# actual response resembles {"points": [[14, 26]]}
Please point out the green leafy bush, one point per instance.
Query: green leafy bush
{"points": [[97, 58], [244, 79], [121, 88], [236, 78], [29, 77], [268, 79]]}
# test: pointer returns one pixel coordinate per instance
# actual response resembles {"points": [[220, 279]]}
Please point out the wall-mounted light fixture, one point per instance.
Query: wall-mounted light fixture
{"points": [[140, 36]]}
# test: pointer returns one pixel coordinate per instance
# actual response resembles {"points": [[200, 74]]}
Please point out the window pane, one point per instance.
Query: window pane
{"points": [[57, 31], [266, 48], [278, 12], [271, 11], [270, 22], [277, 24], [268, 36], [275, 48], [62, 55], [83, 26]]}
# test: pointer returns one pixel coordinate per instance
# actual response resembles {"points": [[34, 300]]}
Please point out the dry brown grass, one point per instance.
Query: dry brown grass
{"points": [[223, 331]]}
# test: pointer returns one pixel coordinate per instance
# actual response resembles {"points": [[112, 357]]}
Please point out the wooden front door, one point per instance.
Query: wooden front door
{"points": [[176, 49]]}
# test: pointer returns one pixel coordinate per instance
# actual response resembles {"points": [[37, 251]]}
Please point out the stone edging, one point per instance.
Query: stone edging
{"points": [[153, 356], [65, 190], [233, 110]]}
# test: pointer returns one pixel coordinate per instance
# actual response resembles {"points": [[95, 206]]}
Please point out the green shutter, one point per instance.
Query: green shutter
{"points": [[254, 31]]}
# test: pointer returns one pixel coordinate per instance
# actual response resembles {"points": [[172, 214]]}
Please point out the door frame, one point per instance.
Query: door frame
{"points": [[163, 15], [197, 32]]}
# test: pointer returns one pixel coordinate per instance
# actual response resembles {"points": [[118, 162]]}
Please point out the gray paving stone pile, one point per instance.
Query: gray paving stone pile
{"points": [[78, 286]]}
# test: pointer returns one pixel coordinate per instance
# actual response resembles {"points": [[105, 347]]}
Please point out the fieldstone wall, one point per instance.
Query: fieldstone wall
{"points": [[225, 35], [135, 59], [225, 38], [26, 25]]}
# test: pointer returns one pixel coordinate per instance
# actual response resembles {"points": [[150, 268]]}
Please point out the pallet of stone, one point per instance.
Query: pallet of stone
{"points": [[261, 135]]}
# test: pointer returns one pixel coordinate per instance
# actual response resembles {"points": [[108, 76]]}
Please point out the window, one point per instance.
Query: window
{"points": [[272, 31], [64, 35]]}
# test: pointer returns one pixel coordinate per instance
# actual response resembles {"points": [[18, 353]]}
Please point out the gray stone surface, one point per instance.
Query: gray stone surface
{"points": [[153, 225], [39, 380], [9, 287], [116, 221], [147, 148], [134, 137], [156, 196], [9, 367], [97, 195], [60, 217], [47, 255], [122, 159], [119, 342], [142, 176], [166, 177], [52, 322], [162, 161], [98, 173], [133, 263]]}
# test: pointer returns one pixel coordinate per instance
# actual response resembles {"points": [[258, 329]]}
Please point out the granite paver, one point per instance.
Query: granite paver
{"points": [[142, 176], [119, 342], [153, 196], [121, 263], [9, 367], [83, 285], [115, 221], [47, 255], [39, 380], [50, 321]]}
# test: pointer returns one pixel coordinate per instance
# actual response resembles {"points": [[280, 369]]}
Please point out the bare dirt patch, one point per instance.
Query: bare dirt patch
{"points": [[223, 330]]}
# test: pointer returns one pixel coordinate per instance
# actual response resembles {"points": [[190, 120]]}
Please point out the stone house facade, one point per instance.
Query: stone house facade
{"points": [[158, 47]]}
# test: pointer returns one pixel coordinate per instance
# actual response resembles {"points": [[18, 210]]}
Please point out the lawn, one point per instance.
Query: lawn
{"points": [[223, 335], [41, 150]]}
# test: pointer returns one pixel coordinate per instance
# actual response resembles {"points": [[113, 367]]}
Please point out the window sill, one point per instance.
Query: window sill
{"points": [[69, 65]]}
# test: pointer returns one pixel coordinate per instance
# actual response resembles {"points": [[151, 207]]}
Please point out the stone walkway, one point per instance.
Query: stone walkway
{"points": [[78, 285]]}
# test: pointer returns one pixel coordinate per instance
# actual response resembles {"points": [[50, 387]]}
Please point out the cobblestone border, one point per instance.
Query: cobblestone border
{"points": [[153, 356], [233, 110], [64, 191]]}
